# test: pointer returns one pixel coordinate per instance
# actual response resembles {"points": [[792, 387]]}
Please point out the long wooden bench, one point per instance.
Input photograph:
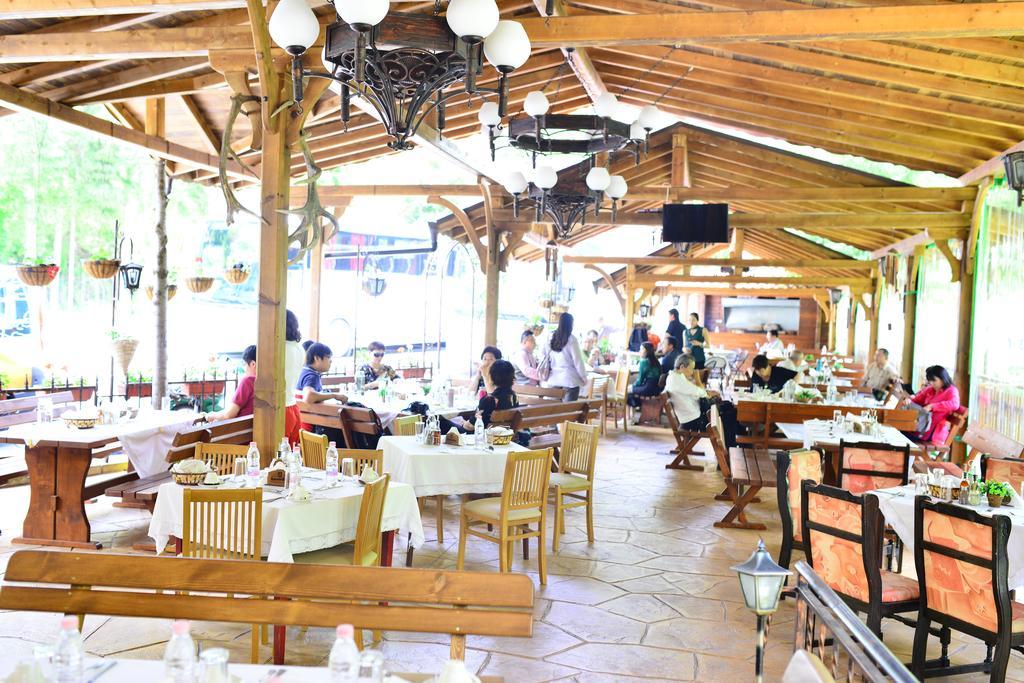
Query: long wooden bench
{"points": [[455, 603], [991, 442], [355, 424], [750, 470], [543, 419], [529, 394]]}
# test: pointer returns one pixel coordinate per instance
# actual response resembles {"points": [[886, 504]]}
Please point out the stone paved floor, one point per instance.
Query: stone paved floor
{"points": [[652, 599]]}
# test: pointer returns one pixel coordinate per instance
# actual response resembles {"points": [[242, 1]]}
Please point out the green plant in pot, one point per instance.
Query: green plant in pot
{"points": [[998, 492]]}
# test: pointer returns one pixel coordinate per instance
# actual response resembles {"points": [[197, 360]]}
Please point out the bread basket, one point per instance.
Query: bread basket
{"points": [[500, 438], [193, 476], [80, 421]]}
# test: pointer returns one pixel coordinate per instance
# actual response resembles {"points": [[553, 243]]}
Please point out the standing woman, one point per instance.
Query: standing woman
{"points": [[294, 360], [696, 340], [568, 371]]}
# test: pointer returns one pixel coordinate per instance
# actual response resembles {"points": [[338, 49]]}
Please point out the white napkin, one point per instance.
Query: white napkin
{"points": [[455, 671], [299, 494], [369, 475]]}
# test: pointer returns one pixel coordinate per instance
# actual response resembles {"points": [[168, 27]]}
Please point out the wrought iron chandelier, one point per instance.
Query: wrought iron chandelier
{"points": [[402, 64], [566, 200], [611, 128]]}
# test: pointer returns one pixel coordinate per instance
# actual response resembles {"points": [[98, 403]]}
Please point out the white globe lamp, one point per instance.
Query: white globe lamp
{"points": [[293, 26]]}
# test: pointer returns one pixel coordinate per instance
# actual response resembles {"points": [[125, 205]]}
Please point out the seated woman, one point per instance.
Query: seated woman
{"points": [[691, 402], [647, 378], [481, 380], [503, 374], [934, 404], [375, 369]]}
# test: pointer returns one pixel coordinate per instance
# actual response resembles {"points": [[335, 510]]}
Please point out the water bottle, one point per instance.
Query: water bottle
{"points": [[331, 470], [479, 437], [294, 468], [68, 655], [180, 655], [343, 664], [252, 464]]}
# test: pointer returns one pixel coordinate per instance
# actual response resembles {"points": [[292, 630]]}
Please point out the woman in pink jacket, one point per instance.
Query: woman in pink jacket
{"points": [[940, 398]]}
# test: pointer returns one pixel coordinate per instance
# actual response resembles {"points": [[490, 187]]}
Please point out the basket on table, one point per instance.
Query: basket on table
{"points": [[500, 438]]}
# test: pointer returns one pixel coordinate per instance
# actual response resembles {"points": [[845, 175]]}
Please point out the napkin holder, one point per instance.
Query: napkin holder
{"points": [[277, 477]]}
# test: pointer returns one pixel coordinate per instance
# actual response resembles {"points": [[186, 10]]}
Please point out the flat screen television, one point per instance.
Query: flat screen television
{"points": [[695, 223]]}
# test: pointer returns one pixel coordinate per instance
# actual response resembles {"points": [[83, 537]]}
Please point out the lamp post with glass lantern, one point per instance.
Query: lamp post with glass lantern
{"points": [[761, 581]]}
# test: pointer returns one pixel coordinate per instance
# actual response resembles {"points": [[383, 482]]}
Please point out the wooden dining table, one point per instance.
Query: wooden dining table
{"points": [[58, 458], [765, 414]]}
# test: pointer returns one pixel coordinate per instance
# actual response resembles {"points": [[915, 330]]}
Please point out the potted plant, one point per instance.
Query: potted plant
{"points": [[204, 383], [998, 492], [237, 273], [101, 268], [138, 386], [38, 275]]}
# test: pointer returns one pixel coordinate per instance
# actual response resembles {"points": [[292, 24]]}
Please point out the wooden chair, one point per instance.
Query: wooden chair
{"points": [[686, 440], [575, 477], [617, 398], [523, 502], [367, 548], [867, 466], [984, 440], [843, 537], [314, 449], [364, 458], [792, 468], [1003, 469], [224, 524], [220, 456], [405, 425], [363, 421], [419, 600], [962, 560], [598, 395]]}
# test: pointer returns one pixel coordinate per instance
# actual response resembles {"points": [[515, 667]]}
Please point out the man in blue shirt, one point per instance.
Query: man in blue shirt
{"points": [[668, 361], [318, 361]]}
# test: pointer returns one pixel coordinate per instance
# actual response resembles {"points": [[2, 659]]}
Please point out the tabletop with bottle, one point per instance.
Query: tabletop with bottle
{"points": [[66, 662]]}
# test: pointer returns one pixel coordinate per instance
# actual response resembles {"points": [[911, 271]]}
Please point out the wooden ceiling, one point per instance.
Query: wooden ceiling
{"points": [[932, 85]]}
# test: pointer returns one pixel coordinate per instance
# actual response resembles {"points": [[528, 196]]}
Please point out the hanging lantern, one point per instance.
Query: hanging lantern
{"points": [[131, 276], [1014, 164], [645, 310], [374, 285]]}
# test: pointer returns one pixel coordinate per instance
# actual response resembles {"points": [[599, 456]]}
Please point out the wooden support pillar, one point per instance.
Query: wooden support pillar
{"points": [[876, 301], [629, 309], [965, 325], [910, 315], [316, 269], [492, 268], [833, 314], [851, 326], [491, 307], [680, 172]]}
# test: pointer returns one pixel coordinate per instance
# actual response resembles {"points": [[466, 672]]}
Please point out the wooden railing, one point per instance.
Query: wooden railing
{"points": [[827, 628]]}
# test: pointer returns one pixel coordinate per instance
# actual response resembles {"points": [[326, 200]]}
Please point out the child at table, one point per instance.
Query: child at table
{"points": [[241, 402], [318, 361]]}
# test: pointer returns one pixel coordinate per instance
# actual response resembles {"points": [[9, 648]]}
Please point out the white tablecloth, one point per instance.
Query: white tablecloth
{"points": [[329, 519], [897, 506], [444, 470], [145, 439], [820, 433], [147, 447]]}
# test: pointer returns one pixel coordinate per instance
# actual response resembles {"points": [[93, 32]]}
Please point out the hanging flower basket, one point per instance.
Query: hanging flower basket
{"points": [[101, 269], [171, 291], [198, 285], [38, 276], [236, 275]]}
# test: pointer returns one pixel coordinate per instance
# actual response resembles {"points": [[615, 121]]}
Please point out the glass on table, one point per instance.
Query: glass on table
{"points": [[371, 666], [420, 431], [240, 465], [44, 410], [921, 483], [213, 666], [348, 468]]}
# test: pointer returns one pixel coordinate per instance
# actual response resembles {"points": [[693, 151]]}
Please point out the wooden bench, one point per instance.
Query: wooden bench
{"points": [[543, 419], [349, 420], [750, 470], [455, 603], [530, 395]]}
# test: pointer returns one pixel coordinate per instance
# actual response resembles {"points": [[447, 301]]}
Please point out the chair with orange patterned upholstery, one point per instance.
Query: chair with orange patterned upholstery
{"points": [[794, 467], [1010, 470], [843, 537], [869, 466], [962, 561]]}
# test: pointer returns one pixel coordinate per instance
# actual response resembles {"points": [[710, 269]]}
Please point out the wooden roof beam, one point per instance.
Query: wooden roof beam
{"points": [[735, 262], [579, 60], [787, 194], [992, 167], [24, 9], [27, 102], [897, 22], [801, 281]]}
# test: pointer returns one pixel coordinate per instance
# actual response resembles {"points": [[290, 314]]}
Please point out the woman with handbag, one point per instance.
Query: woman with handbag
{"points": [[563, 361]]}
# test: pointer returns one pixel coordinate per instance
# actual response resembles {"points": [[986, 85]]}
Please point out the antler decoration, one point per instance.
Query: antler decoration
{"points": [[311, 230], [226, 153]]}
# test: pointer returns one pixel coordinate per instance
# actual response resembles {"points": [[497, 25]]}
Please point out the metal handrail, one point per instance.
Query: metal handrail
{"points": [[862, 646]]}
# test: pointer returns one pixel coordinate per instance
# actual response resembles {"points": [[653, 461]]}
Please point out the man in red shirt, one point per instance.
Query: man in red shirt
{"points": [[241, 402]]}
